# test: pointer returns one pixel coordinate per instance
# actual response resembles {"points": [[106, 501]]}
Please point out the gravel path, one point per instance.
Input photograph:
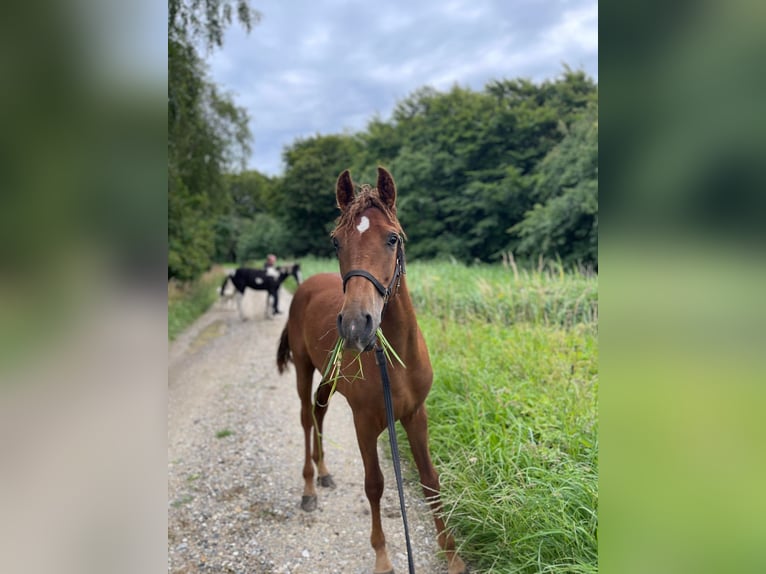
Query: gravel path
{"points": [[234, 500]]}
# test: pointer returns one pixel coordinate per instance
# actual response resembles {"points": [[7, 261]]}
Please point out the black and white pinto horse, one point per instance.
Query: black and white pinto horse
{"points": [[269, 279]]}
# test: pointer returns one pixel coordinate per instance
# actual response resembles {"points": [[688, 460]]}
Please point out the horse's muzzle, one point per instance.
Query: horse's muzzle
{"points": [[357, 330]]}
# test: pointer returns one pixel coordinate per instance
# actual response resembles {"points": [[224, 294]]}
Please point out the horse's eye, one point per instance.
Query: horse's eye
{"points": [[335, 244], [393, 239]]}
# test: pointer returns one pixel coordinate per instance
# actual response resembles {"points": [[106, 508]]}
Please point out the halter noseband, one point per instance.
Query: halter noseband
{"points": [[385, 292]]}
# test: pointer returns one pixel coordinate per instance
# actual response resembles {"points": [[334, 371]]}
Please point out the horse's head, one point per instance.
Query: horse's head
{"points": [[295, 271], [286, 270], [369, 242]]}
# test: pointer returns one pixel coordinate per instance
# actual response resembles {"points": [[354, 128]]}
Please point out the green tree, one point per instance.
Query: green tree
{"points": [[206, 20], [207, 133], [252, 192], [466, 161], [250, 195], [189, 236], [307, 191], [379, 144], [264, 234], [439, 132], [564, 219]]}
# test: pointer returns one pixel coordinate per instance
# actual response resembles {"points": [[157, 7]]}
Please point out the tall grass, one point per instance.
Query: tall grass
{"points": [[514, 434], [513, 411], [493, 293]]}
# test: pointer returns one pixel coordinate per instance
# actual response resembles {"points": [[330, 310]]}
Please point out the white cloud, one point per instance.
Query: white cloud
{"points": [[222, 62], [393, 21], [465, 10], [298, 79], [577, 29], [314, 44]]}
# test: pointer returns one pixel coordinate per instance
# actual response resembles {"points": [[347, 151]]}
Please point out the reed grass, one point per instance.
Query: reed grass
{"points": [[514, 435], [505, 295], [332, 369]]}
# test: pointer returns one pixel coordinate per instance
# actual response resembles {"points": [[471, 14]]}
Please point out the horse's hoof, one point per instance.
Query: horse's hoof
{"points": [[389, 572], [309, 503], [327, 482]]}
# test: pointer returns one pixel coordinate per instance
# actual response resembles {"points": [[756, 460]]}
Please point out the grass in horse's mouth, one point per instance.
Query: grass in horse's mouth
{"points": [[332, 372], [388, 349]]}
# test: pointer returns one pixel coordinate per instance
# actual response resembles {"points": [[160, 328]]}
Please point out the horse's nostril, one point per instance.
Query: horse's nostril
{"points": [[340, 322], [368, 323]]}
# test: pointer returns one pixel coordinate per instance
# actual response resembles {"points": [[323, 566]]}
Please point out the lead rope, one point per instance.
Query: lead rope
{"points": [[380, 357]]}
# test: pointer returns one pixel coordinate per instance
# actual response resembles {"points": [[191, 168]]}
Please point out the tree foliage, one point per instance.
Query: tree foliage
{"points": [[252, 200], [307, 191], [263, 234], [206, 20], [470, 168], [510, 168], [513, 167], [207, 134], [564, 219]]}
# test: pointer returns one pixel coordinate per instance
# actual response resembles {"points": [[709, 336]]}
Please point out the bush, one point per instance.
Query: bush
{"points": [[265, 234]]}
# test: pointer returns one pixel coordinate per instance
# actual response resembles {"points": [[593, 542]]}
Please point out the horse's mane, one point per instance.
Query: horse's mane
{"points": [[365, 198]]}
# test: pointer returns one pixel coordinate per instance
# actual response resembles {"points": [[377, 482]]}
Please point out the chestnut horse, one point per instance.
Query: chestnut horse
{"points": [[371, 292]]}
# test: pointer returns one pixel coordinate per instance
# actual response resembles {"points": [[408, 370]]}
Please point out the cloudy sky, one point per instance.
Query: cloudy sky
{"points": [[329, 66]]}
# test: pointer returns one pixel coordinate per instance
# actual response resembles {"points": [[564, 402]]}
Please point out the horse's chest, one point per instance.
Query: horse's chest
{"points": [[367, 393]]}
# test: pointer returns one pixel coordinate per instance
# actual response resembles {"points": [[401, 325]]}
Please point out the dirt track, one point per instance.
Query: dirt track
{"points": [[234, 500]]}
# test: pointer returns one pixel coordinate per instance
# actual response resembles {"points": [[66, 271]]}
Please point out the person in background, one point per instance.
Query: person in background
{"points": [[271, 261]]}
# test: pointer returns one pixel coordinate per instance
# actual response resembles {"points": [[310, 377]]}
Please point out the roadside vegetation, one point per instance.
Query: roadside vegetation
{"points": [[513, 411], [188, 300], [514, 434]]}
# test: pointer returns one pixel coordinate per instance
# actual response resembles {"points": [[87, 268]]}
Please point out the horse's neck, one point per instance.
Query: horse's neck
{"points": [[401, 312]]}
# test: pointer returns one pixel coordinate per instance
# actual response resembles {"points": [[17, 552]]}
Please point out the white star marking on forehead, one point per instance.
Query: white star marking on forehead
{"points": [[364, 224]]}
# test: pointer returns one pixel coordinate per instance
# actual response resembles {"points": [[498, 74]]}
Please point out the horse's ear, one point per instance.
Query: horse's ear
{"points": [[386, 187], [344, 190]]}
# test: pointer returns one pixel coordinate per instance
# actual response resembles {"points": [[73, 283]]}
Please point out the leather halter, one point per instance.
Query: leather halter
{"points": [[385, 292]]}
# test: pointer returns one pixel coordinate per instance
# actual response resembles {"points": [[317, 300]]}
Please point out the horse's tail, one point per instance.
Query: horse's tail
{"points": [[283, 353]]}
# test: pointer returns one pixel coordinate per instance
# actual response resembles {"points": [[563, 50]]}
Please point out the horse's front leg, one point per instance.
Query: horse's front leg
{"points": [[275, 294], [304, 379], [240, 295], [367, 437], [416, 426], [266, 312], [321, 403]]}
